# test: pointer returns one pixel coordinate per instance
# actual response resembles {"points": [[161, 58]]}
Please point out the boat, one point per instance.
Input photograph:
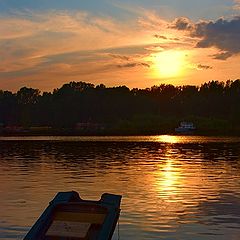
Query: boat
{"points": [[185, 128], [70, 217]]}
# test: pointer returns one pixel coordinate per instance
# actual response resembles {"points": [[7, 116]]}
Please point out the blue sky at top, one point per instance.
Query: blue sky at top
{"points": [[204, 9]]}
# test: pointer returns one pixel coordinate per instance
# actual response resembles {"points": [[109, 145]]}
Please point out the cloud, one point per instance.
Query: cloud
{"points": [[128, 61], [237, 5], [160, 37], [203, 67], [151, 21], [134, 64], [223, 55], [175, 39], [166, 38], [222, 34], [30, 39], [121, 57], [182, 23], [57, 46]]}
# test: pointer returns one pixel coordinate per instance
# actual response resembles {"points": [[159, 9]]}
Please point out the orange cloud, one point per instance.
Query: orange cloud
{"points": [[237, 5], [46, 49]]}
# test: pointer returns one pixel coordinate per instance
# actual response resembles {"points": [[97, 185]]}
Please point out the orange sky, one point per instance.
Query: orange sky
{"points": [[44, 49]]}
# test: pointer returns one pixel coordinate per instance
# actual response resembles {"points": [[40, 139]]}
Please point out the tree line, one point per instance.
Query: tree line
{"points": [[212, 106]]}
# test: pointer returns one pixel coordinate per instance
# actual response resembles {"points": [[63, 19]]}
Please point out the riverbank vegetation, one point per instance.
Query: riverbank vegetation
{"points": [[82, 108]]}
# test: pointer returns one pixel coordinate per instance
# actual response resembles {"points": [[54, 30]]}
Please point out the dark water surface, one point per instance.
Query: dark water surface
{"points": [[172, 187]]}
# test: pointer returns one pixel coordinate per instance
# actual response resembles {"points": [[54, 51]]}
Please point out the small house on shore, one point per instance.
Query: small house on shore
{"points": [[185, 127]]}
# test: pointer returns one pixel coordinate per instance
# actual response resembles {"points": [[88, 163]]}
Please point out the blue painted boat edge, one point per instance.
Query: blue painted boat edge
{"points": [[40, 227], [110, 201]]}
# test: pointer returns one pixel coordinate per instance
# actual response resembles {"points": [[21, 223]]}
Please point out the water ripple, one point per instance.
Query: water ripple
{"points": [[173, 187]]}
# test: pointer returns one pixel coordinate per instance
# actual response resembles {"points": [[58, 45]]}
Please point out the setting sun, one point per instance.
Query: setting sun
{"points": [[169, 63]]}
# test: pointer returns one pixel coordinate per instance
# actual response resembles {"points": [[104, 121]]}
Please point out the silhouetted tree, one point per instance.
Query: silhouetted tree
{"points": [[80, 102]]}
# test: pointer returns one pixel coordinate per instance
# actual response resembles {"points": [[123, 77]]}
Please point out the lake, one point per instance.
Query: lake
{"points": [[173, 187]]}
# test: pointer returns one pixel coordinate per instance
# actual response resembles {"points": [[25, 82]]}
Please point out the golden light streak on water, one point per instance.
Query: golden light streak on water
{"points": [[173, 186]]}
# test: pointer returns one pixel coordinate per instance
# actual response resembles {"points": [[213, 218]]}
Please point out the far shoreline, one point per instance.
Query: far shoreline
{"points": [[75, 134]]}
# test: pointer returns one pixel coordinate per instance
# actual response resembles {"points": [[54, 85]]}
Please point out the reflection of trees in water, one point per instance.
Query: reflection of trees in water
{"points": [[223, 215], [25, 155], [221, 158], [224, 209], [164, 182], [107, 153]]}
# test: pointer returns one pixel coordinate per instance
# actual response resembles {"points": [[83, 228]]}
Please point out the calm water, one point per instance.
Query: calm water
{"points": [[172, 187]]}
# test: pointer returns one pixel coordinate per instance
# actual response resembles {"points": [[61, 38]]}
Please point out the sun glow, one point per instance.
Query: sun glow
{"points": [[169, 64], [168, 179]]}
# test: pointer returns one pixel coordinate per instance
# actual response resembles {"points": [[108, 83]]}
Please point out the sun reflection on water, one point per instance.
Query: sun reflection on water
{"points": [[167, 180], [172, 186], [169, 177], [167, 138]]}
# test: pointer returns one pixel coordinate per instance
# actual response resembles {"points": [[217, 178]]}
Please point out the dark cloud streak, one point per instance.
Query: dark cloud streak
{"points": [[182, 23], [160, 37], [222, 34], [132, 65], [203, 67], [121, 57]]}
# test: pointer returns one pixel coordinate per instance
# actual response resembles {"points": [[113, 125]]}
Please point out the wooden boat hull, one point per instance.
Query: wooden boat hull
{"points": [[70, 217]]}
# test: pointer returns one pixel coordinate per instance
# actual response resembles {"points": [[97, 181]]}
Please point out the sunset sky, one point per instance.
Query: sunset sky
{"points": [[137, 43]]}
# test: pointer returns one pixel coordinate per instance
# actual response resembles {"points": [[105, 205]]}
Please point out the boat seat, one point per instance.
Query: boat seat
{"points": [[76, 221]]}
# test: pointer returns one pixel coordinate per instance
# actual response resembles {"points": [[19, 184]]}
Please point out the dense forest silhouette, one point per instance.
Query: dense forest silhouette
{"points": [[84, 108]]}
